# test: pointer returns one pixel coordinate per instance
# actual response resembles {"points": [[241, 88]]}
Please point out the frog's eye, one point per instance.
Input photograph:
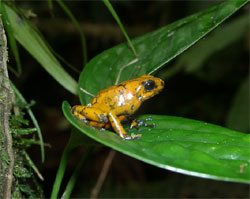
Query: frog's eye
{"points": [[149, 85]]}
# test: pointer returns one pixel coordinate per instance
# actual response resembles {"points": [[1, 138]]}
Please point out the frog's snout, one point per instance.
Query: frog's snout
{"points": [[162, 83]]}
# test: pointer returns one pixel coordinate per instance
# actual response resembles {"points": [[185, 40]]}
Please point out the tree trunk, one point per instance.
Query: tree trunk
{"points": [[6, 100]]}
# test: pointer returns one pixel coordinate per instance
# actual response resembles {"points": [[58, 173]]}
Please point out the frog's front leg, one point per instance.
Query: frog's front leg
{"points": [[117, 126], [120, 117], [138, 123]]}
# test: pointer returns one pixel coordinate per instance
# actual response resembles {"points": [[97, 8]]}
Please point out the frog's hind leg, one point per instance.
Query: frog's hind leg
{"points": [[77, 111], [97, 125], [90, 113], [80, 112], [95, 114]]}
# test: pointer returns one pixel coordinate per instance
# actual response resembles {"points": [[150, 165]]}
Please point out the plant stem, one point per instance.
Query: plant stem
{"points": [[33, 118], [116, 17], [103, 174], [73, 179], [61, 171]]}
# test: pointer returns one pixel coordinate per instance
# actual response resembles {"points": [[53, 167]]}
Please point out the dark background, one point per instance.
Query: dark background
{"points": [[187, 95]]}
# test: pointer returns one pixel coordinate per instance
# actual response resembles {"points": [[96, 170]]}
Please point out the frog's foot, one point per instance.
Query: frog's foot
{"points": [[132, 137], [138, 123], [136, 136]]}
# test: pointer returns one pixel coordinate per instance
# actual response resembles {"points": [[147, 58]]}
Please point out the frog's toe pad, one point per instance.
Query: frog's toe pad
{"points": [[132, 137], [135, 136], [139, 123]]}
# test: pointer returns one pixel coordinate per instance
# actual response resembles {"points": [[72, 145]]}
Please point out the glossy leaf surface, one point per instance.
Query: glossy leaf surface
{"points": [[182, 145], [154, 49], [35, 45], [177, 144]]}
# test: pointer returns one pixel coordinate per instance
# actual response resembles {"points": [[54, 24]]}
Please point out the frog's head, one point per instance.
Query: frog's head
{"points": [[149, 86]]}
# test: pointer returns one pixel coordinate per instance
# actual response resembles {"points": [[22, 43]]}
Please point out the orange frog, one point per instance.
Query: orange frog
{"points": [[112, 105]]}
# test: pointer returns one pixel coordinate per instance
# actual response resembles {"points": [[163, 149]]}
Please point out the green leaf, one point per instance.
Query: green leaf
{"points": [[34, 44], [238, 117], [193, 59], [154, 49], [72, 181], [74, 141], [79, 29], [182, 145]]}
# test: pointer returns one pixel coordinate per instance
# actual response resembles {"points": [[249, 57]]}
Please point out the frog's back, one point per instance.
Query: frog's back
{"points": [[117, 99], [126, 97]]}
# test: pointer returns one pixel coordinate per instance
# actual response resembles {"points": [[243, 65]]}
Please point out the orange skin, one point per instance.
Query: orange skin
{"points": [[112, 105]]}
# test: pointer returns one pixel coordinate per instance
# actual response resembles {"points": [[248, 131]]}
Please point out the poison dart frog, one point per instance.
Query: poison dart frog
{"points": [[112, 105]]}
